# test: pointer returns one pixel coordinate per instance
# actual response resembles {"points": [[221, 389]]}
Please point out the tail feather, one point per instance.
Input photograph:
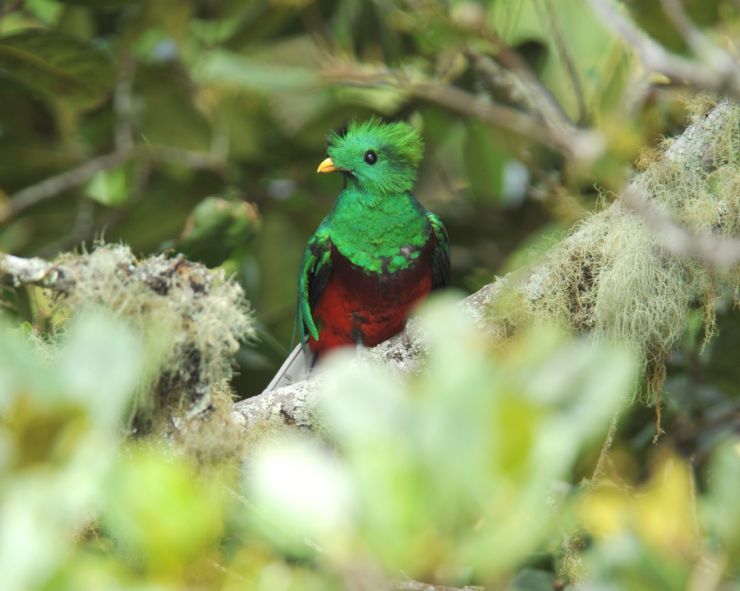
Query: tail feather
{"points": [[295, 368]]}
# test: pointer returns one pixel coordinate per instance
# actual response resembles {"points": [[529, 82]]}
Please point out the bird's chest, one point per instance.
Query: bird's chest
{"points": [[383, 239], [358, 306]]}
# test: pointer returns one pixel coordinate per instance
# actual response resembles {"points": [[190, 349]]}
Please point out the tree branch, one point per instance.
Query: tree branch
{"points": [[57, 184], [559, 133], [715, 250], [18, 271], [48, 188], [717, 71], [295, 404]]}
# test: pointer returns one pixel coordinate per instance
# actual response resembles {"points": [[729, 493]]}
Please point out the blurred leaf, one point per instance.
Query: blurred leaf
{"points": [[47, 11], [220, 66], [575, 35], [484, 163], [300, 491], [57, 65], [216, 228], [167, 113], [59, 440], [531, 579], [109, 187], [160, 510], [720, 509], [100, 4], [425, 481]]}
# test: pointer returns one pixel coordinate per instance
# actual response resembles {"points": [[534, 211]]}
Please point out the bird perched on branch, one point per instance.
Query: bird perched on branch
{"points": [[377, 253]]}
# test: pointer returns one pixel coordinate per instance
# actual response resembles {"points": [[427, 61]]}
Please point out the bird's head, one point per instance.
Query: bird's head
{"points": [[379, 157]]}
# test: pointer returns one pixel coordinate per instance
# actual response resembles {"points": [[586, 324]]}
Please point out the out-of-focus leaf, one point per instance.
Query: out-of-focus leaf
{"points": [[167, 113], [595, 55], [47, 11], [720, 509], [159, 509], [531, 579], [221, 66], [300, 491], [100, 4], [216, 228], [484, 162], [63, 417], [109, 187], [57, 65], [475, 444]]}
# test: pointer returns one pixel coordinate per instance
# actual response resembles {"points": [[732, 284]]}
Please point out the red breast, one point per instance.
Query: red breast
{"points": [[358, 307]]}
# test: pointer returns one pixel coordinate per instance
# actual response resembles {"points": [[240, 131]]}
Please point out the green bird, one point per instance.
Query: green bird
{"points": [[378, 252]]}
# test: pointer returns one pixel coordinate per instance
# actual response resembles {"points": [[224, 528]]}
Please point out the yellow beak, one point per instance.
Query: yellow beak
{"points": [[327, 165]]}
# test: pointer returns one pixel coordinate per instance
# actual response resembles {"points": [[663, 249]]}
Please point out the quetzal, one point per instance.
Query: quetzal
{"points": [[378, 252]]}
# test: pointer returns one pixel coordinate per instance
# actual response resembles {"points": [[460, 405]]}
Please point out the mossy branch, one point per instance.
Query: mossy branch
{"points": [[632, 272], [18, 271], [191, 318]]}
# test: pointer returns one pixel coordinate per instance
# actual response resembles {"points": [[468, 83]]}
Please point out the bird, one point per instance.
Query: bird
{"points": [[378, 252]]}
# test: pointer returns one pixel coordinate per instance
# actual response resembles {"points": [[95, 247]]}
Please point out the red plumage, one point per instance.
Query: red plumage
{"points": [[361, 307]]}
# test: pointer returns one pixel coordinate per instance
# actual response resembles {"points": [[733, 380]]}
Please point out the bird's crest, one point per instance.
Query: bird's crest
{"points": [[398, 136]]}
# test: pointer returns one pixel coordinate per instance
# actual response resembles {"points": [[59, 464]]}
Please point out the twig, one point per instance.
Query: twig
{"points": [[19, 271], [526, 90], [189, 158], [295, 404], [59, 183], [717, 251], [720, 74], [55, 185], [695, 39], [572, 142], [605, 447], [122, 103]]}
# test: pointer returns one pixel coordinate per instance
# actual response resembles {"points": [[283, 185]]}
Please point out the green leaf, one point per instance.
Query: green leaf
{"points": [[109, 187], [47, 11], [240, 71], [216, 228], [100, 4], [485, 159], [58, 66]]}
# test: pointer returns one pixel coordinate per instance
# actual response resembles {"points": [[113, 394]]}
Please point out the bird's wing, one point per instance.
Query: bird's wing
{"points": [[315, 271], [441, 256]]}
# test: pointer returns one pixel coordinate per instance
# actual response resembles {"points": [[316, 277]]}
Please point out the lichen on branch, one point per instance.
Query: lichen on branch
{"points": [[192, 319]]}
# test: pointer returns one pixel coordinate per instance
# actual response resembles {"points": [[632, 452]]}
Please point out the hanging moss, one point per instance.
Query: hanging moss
{"points": [[612, 277]]}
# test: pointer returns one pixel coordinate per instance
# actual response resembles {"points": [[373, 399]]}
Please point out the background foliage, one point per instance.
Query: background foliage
{"points": [[197, 126]]}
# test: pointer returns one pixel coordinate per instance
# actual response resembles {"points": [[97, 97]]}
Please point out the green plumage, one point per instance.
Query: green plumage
{"points": [[376, 226]]}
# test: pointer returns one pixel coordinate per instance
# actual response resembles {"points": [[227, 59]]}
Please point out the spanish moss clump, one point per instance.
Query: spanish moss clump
{"points": [[614, 277], [192, 319]]}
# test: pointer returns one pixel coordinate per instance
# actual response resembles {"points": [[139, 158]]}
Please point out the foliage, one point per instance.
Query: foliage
{"points": [[192, 317], [458, 474]]}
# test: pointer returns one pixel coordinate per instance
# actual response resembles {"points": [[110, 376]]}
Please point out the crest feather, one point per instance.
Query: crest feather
{"points": [[398, 135]]}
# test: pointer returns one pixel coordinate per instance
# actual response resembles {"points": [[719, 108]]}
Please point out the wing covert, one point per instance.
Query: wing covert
{"points": [[315, 271]]}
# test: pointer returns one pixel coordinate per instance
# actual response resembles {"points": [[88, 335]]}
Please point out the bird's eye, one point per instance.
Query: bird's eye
{"points": [[371, 157]]}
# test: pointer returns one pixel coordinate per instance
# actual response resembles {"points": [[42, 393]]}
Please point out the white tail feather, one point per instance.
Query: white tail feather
{"points": [[295, 368]]}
